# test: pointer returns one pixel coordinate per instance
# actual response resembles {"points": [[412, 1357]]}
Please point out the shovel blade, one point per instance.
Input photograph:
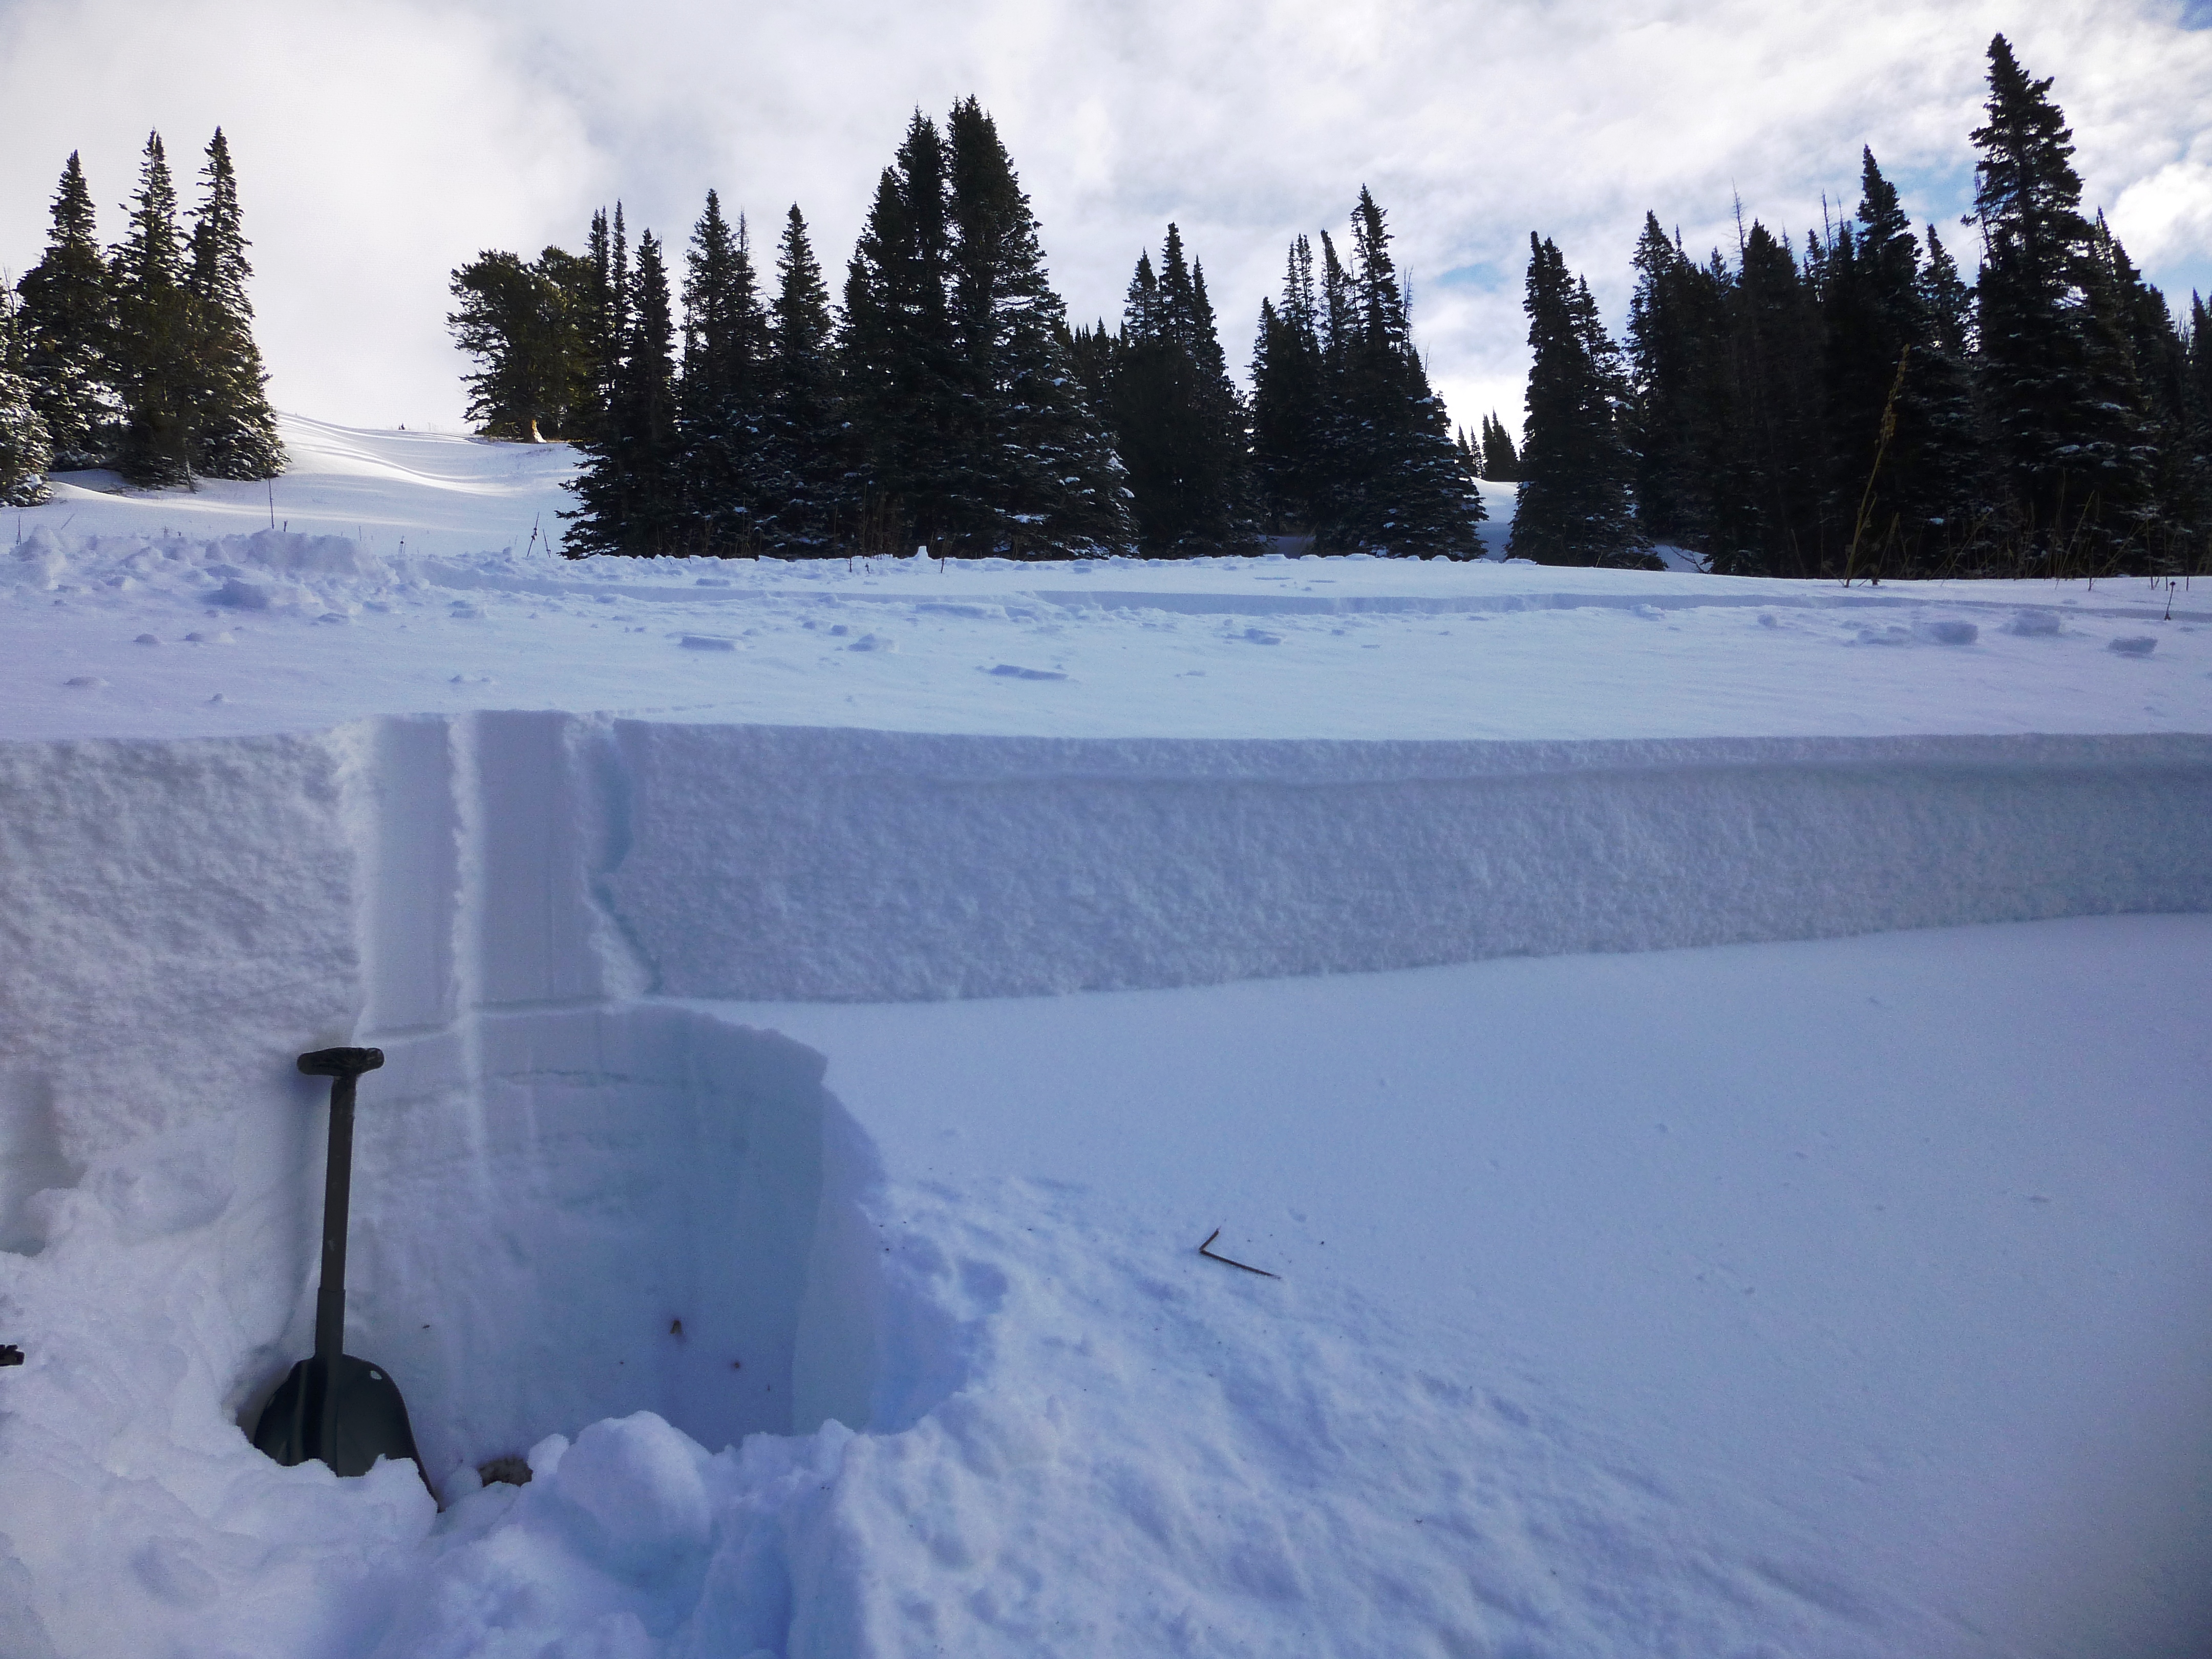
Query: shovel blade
{"points": [[371, 1421]]}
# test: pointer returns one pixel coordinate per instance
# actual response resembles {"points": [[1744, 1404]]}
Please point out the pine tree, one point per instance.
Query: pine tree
{"points": [[807, 501], [155, 332], [1771, 486], [1501, 461], [630, 492], [1037, 475], [1674, 337], [2141, 329], [2065, 421], [601, 322], [513, 316], [26, 452], [902, 372], [1399, 485], [1178, 421], [1573, 507], [1288, 396], [68, 328], [724, 392], [234, 428]]}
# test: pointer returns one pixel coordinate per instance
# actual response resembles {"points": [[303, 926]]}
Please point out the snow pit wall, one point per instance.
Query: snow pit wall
{"points": [[556, 1169], [567, 1204], [770, 864]]}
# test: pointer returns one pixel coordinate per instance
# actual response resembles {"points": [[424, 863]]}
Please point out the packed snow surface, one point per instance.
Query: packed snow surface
{"points": [[826, 1009]]}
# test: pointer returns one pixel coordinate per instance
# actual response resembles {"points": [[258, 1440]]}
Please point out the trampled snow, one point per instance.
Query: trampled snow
{"points": [[827, 1008]]}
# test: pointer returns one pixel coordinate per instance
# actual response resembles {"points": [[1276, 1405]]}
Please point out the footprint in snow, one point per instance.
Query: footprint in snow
{"points": [[1015, 672], [1261, 636], [2141, 645]]}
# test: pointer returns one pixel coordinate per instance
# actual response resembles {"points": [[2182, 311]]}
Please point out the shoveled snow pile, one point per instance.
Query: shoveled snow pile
{"points": [[826, 1010]]}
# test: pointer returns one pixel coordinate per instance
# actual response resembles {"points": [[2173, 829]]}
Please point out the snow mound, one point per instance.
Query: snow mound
{"points": [[268, 569]]}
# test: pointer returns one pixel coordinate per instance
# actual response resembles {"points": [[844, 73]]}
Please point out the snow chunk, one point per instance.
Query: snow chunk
{"points": [[635, 1487], [2033, 624], [1945, 630], [2135, 645], [1016, 671]]}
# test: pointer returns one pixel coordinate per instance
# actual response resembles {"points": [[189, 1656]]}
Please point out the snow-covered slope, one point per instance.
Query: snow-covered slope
{"points": [[1808, 1295]]}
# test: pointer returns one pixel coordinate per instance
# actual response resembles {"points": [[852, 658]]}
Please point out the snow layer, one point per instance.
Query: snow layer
{"points": [[1810, 1296]]}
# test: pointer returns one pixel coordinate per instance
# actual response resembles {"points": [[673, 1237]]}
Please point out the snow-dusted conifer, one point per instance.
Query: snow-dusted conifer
{"points": [[1178, 421], [1399, 484], [26, 453], [1573, 508], [154, 331], [1674, 341], [2065, 423], [903, 374], [1038, 475], [631, 493], [1288, 398], [511, 315], [1900, 408], [68, 328], [1501, 461], [723, 391], [234, 430], [807, 495]]}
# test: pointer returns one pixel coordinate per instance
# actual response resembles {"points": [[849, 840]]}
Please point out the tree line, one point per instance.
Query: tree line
{"points": [[947, 402], [1857, 407], [141, 357]]}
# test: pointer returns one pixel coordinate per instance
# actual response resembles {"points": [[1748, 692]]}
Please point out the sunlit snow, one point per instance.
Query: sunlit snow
{"points": [[1717, 1067]]}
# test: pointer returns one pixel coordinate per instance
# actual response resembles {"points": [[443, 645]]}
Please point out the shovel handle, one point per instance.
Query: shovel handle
{"points": [[343, 1066]]}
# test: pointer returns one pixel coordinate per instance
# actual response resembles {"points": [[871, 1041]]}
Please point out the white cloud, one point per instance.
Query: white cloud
{"points": [[380, 143]]}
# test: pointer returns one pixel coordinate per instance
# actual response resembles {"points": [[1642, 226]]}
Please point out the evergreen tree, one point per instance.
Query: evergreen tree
{"points": [[900, 367], [26, 452], [1037, 474], [1673, 337], [2138, 323], [806, 490], [513, 316], [234, 430], [1400, 486], [155, 332], [630, 492], [2066, 421], [1773, 484], [1501, 462], [1288, 399], [1178, 421], [602, 323], [1901, 414], [1573, 508], [68, 327], [724, 392]]}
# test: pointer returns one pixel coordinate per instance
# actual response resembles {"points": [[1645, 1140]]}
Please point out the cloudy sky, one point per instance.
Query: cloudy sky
{"points": [[380, 143]]}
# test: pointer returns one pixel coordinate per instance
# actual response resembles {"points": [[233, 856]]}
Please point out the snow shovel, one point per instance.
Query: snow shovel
{"points": [[334, 1408]]}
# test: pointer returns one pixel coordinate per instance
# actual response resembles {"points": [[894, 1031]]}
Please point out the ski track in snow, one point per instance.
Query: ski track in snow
{"points": [[826, 1009]]}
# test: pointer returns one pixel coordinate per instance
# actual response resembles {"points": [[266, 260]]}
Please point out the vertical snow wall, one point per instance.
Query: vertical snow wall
{"points": [[576, 1197]]}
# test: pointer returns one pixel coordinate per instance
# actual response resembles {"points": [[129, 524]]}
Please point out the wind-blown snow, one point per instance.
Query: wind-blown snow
{"points": [[835, 1054]]}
